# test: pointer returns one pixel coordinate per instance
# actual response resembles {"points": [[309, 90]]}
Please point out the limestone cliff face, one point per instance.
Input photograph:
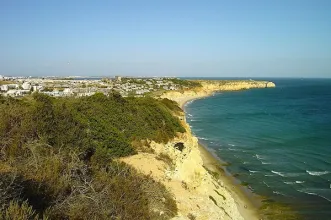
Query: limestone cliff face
{"points": [[205, 197], [195, 190], [228, 85], [210, 86], [188, 164]]}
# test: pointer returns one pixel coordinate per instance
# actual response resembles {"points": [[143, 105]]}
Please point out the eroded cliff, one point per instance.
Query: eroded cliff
{"points": [[210, 86], [180, 167]]}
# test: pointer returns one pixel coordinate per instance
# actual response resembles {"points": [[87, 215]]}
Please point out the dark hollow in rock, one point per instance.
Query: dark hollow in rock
{"points": [[179, 146]]}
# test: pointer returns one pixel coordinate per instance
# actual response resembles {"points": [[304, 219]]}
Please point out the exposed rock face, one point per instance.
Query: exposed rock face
{"points": [[202, 195], [211, 86], [196, 191]]}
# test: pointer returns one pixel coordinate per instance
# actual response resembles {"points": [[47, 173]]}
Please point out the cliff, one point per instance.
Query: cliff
{"points": [[208, 87], [179, 165]]}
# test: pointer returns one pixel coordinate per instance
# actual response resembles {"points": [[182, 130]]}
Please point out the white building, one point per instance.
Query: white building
{"points": [[26, 86], [118, 78], [37, 88], [12, 86], [4, 88], [14, 92]]}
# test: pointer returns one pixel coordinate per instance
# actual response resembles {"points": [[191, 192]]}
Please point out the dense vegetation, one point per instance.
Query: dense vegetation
{"points": [[186, 83], [58, 157]]}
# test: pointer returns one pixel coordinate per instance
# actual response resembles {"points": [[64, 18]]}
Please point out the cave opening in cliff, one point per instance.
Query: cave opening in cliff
{"points": [[180, 146]]}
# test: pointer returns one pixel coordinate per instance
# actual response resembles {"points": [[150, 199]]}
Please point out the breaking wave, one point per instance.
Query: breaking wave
{"points": [[286, 174], [253, 171], [295, 182], [317, 173], [278, 193], [259, 157], [290, 183], [315, 192]]}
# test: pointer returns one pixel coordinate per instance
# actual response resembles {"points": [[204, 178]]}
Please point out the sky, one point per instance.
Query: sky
{"points": [[237, 38]]}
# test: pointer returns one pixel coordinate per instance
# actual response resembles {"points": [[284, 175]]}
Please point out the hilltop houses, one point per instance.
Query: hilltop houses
{"points": [[58, 87]]}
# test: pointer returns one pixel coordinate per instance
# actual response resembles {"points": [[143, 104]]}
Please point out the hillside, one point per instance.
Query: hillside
{"points": [[58, 157]]}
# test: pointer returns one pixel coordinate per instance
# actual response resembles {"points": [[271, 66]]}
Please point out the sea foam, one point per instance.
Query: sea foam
{"points": [[317, 173], [316, 192], [286, 174]]}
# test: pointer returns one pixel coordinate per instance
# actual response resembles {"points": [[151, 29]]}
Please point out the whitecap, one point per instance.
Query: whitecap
{"points": [[232, 149], [279, 193], [194, 120], [232, 145], [278, 173], [259, 157], [266, 184], [286, 174], [265, 162], [317, 173], [310, 192], [253, 171], [290, 183], [299, 181]]}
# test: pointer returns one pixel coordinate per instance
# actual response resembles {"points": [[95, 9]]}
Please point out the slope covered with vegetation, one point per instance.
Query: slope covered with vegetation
{"points": [[58, 157]]}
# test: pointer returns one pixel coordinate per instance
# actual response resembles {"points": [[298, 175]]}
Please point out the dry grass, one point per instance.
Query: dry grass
{"points": [[59, 185], [165, 158]]}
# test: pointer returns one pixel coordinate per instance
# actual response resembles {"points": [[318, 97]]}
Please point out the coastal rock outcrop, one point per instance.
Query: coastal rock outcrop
{"points": [[196, 191], [208, 87], [201, 195], [179, 164]]}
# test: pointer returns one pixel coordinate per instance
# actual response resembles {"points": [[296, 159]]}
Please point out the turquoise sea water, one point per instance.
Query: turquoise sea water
{"points": [[278, 140]]}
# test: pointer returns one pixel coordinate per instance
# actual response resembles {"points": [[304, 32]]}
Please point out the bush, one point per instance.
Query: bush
{"points": [[58, 157], [19, 211], [86, 123]]}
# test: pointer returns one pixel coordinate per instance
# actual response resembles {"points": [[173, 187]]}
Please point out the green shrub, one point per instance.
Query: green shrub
{"points": [[90, 122], [58, 157], [16, 211]]}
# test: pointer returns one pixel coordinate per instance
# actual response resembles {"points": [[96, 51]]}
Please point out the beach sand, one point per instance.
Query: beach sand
{"points": [[246, 201]]}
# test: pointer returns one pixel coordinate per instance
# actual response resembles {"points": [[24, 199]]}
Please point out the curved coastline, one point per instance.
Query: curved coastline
{"points": [[247, 202]]}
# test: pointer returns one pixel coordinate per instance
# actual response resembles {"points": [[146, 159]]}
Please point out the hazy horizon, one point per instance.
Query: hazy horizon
{"points": [[168, 38]]}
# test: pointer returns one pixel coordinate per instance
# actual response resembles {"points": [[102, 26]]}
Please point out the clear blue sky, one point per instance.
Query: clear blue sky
{"points": [[165, 37]]}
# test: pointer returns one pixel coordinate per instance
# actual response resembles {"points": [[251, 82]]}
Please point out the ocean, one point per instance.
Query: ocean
{"points": [[276, 140]]}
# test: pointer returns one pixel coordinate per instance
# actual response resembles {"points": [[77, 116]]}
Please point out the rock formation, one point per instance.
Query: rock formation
{"points": [[197, 192]]}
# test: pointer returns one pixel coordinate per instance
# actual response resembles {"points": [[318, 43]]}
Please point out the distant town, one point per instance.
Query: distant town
{"points": [[60, 87]]}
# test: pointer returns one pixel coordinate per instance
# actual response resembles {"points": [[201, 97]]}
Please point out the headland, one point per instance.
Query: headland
{"points": [[193, 175], [209, 87]]}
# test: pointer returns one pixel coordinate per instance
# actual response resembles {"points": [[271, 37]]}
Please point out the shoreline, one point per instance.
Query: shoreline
{"points": [[247, 202]]}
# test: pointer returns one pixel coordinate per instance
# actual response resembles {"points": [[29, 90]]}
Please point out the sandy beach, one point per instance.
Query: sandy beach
{"points": [[246, 201]]}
